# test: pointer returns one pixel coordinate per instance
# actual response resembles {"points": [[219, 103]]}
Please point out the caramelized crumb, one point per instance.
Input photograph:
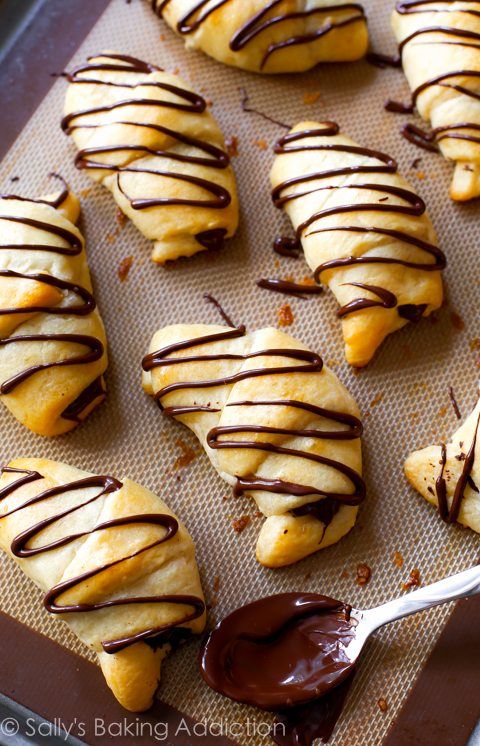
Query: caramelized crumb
{"points": [[84, 193], [216, 583], [376, 400], [442, 411], [307, 577], [475, 344], [231, 143], [124, 268], [344, 574], [413, 581], [285, 315], [240, 524], [258, 514], [416, 162], [364, 574], [308, 280], [420, 175], [186, 457], [398, 559], [457, 321], [260, 144], [121, 217], [111, 237], [382, 704], [311, 97]]}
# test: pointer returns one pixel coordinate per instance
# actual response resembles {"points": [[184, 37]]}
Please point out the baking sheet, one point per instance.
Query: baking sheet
{"points": [[403, 394]]}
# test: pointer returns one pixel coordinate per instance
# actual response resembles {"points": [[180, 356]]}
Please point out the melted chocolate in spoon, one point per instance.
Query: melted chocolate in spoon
{"points": [[284, 653]]}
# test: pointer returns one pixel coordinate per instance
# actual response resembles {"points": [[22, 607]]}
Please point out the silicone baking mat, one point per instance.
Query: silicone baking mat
{"points": [[403, 394]]}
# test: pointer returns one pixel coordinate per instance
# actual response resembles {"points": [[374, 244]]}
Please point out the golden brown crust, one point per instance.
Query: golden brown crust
{"points": [[443, 46], [42, 400], [164, 569], [284, 538], [149, 138], [338, 33]]}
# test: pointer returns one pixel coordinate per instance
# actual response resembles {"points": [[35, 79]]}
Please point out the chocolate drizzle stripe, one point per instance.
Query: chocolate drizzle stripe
{"points": [[450, 36], [210, 156], [413, 205], [214, 438], [297, 289], [260, 22], [20, 548], [450, 514], [86, 305]]}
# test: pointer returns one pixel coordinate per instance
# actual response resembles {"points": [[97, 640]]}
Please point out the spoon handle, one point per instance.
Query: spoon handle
{"points": [[466, 583]]}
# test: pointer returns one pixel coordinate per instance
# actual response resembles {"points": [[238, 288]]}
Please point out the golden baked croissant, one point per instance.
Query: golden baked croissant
{"points": [[150, 140], [270, 36], [364, 232], [276, 423], [440, 53], [52, 340], [448, 475], [114, 561]]}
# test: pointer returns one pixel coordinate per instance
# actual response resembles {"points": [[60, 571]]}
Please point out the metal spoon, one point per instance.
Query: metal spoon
{"points": [[466, 583]]}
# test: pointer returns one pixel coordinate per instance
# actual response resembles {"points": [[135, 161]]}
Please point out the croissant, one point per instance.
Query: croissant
{"points": [[364, 232], [448, 475], [270, 36], [276, 423], [52, 340], [114, 561], [149, 139], [440, 52]]}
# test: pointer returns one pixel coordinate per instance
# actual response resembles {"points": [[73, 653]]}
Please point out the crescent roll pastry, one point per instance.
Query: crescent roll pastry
{"points": [[276, 424], [270, 36], [148, 137], [440, 53], [114, 562], [364, 232], [448, 475], [52, 340]]}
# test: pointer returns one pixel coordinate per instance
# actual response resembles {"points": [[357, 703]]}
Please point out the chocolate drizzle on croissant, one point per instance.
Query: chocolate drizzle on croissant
{"points": [[260, 22], [220, 437], [411, 204], [451, 36], [20, 548], [84, 306], [188, 101]]}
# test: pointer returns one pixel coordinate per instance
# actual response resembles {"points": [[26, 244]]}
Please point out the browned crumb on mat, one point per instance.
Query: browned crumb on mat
{"points": [[376, 400], [416, 162], [382, 704], [474, 344], [14, 178], [420, 175], [240, 524], [121, 217], [285, 315], [186, 457], [308, 280], [231, 143], [311, 97], [364, 574], [457, 321], [413, 581], [260, 144], [111, 237], [216, 583], [398, 559], [344, 574], [84, 193], [258, 514], [124, 268]]}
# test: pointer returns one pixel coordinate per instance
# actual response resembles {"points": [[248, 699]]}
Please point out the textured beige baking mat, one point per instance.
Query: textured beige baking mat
{"points": [[403, 394]]}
